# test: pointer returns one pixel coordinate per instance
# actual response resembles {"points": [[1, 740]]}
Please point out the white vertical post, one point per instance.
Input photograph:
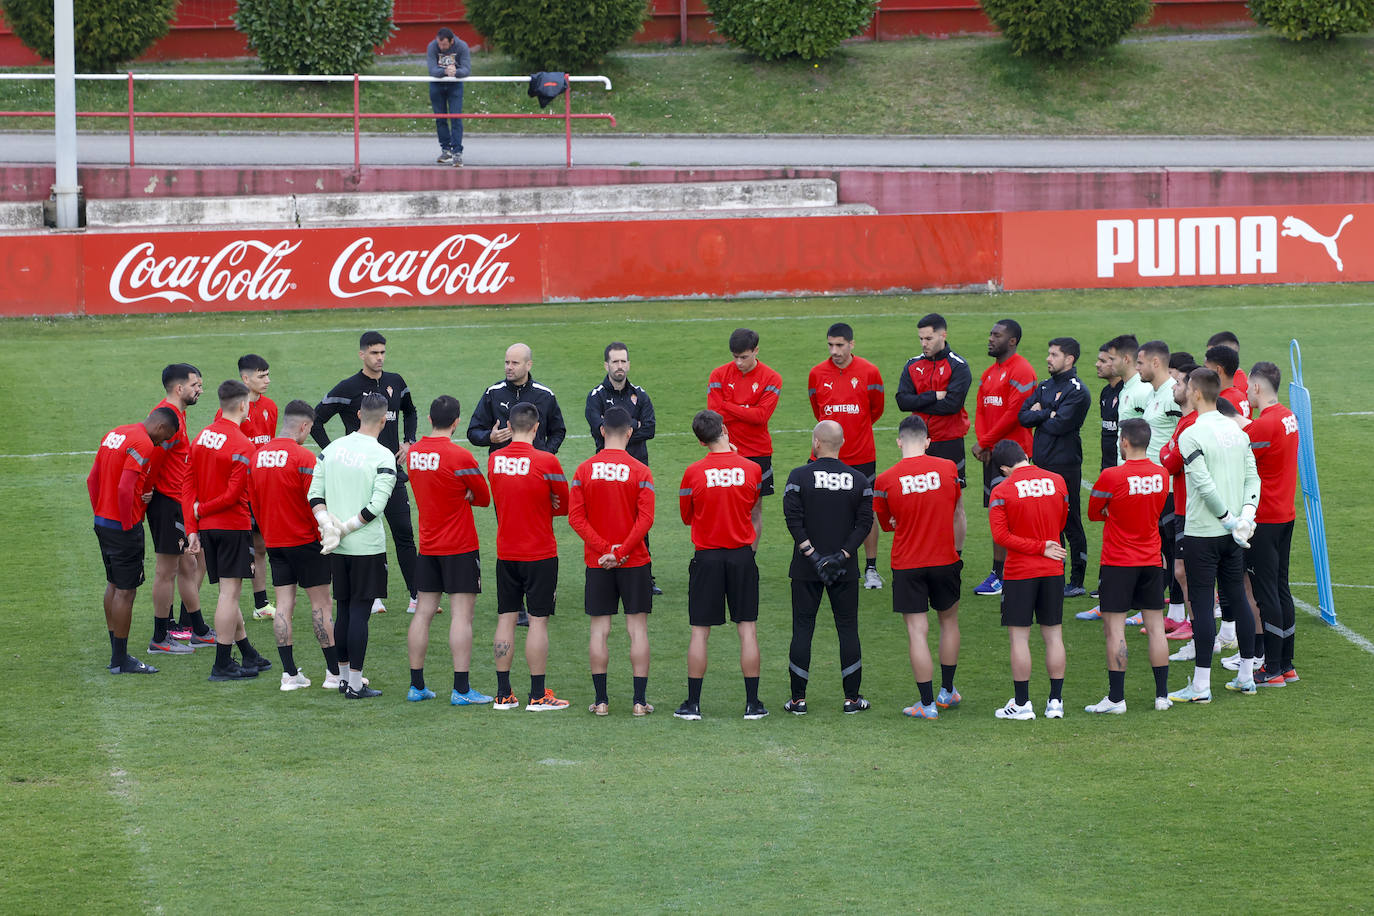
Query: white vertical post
{"points": [[64, 82]]}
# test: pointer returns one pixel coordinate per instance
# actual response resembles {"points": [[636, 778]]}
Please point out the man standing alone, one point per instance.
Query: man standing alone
{"points": [[449, 59]]}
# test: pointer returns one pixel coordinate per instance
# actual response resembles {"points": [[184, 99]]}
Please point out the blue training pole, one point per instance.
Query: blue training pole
{"points": [[1300, 402]]}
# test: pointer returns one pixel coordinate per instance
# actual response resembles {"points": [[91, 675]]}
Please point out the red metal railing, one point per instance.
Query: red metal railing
{"points": [[357, 115]]}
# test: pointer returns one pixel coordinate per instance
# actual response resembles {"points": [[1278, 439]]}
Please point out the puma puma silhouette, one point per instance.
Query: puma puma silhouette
{"points": [[1296, 228]]}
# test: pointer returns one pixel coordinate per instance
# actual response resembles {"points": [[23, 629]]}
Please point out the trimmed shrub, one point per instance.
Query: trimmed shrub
{"points": [[322, 36], [1064, 28], [108, 32], [1299, 19], [570, 36], [776, 29]]}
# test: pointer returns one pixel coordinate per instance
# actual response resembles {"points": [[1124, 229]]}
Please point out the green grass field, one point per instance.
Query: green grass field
{"points": [[171, 794]]}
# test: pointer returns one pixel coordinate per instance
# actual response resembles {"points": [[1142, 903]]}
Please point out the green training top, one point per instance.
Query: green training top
{"points": [[1162, 414], [1221, 474], [356, 475], [1130, 405]]}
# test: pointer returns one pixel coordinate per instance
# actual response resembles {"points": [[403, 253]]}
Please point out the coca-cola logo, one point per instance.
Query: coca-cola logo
{"points": [[243, 269], [466, 263]]}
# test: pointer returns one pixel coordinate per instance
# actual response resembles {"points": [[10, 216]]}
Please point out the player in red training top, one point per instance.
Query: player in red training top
{"points": [[1129, 498], [176, 548], [1002, 389], [849, 390], [259, 426], [447, 484], [919, 498], [279, 488], [1224, 361], [716, 499], [529, 489], [745, 393], [1229, 339], [1026, 512], [220, 460], [116, 484], [612, 510], [1274, 441]]}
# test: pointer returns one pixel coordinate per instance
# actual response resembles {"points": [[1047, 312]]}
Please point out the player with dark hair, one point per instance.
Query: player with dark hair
{"points": [[828, 505], [745, 393], [279, 487], [934, 386], [1162, 411], [351, 487], [489, 425], [849, 390], [1106, 367], [1274, 442], [116, 485], [397, 434], [1179, 623], [220, 460], [1002, 389], [1056, 410], [1223, 493], [259, 426], [612, 509], [716, 499], [918, 498], [528, 488], [1135, 391], [1225, 362], [1229, 339], [447, 483], [1026, 514], [1129, 498], [176, 546]]}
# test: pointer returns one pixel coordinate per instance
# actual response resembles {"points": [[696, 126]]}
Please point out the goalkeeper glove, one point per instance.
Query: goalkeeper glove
{"points": [[1229, 521], [1244, 530], [830, 567], [350, 526], [329, 529]]}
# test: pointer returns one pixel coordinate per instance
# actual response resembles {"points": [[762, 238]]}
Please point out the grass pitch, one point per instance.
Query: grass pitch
{"points": [[172, 794]]}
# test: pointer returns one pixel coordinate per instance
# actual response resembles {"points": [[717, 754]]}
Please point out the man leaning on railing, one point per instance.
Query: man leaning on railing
{"points": [[448, 56]]}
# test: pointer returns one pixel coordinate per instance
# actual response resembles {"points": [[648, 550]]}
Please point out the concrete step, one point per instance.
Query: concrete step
{"points": [[21, 216], [319, 209]]}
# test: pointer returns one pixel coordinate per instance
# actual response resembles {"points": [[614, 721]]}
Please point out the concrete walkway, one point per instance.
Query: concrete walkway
{"points": [[711, 151]]}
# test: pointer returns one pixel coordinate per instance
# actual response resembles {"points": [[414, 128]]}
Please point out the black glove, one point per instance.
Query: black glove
{"points": [[830, 567]]}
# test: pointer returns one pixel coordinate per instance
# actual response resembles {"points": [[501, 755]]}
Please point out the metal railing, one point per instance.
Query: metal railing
{"points": [[357, 116]]}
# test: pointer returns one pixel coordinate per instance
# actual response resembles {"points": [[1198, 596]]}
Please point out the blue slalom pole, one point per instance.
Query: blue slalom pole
{"points": [[1300, 402]]}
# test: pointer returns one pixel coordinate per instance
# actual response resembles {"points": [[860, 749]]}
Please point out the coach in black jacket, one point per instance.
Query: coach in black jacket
{"points": [[489, 425], [828, 506], [616, 390], [1056, 411]]}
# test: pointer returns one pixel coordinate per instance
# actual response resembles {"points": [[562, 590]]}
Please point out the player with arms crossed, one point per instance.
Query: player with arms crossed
{"points": [[351, 488], [447, 484], [717, 499], [745, 393], [528, 488], [116, 485], [1026, 513], [919, 499], [612, 509], [1129, 498]]}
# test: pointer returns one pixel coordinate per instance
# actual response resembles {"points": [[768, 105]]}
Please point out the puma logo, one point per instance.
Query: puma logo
{"points": [[1296, 228]]}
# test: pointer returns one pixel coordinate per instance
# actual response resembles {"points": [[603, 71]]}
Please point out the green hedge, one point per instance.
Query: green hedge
{"points": [[776, 29], [315, 36], [108, 32], [1299, 19], [571, 36], [1064, 28]]}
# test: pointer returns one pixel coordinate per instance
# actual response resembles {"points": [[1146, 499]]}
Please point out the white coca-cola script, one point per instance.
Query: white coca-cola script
{"points": [[465, 263], [243, 269]]}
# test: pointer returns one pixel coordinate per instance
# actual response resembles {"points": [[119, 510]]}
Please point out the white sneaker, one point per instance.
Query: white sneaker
{"points": [[377, 606], [1054, 709], [1012, 711], [1220, 645], [1231, 662], [1163, 703], [331, 682], [872, 579], [410, 608], [1186, 653], [296, 681], [1104, 705]]}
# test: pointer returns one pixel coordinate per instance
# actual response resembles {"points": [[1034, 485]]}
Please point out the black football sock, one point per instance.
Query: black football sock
{"points": [[1022, 692], [872, 563], [997, 567], [331, 660], [751, 690], [160, 628], [246, 649], [1116, 686], [694, 689], [222, 658], [417, 678], [184, 618], [198, 624], [599, 685], [1161, 680], [460, 682], [927, 692], [111, 634], [260, 599], [536, 686], [641, 685], [1057, 689], [947, 677], [119, 650], [503, 684], [288, 659]]}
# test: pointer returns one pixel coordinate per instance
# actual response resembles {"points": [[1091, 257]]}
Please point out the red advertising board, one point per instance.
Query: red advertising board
{"points": [[1188, 247]]}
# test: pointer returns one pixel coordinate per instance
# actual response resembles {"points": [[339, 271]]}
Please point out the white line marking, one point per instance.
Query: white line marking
{"points": [[1340, 628], [1355, 413], [48, 455], [1333, 585]]}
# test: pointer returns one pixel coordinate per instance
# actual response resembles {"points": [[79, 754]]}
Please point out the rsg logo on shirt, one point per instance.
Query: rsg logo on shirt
{"points": [[502, 464], [272, 459], [211, 439], [920, 483], [826, 480], [1144, 486], [424, 461], [724, 477], [113, 440], [604, 470], [1040, 486]]}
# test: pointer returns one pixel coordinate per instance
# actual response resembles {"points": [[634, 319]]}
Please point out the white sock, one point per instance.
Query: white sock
{"points": [[1202, 678], [1247, 669], [355, 679], [1176, 612], [343, 672], [1227, 633]]}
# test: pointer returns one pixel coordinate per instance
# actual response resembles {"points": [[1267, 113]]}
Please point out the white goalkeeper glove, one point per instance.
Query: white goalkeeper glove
{"points": [[1247, 513], [1229, 521], [329, 529], [350, 526], [1242, 533]]}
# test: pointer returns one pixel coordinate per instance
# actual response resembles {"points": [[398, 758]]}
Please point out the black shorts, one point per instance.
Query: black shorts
{"points": [[527, 585], [953, 449], [1027, 601], [1123, 589], [122, 553], [1167, 522], [869, 469], [716, 578], [766, 463], [992, 476], [358, 580], [632, 586], [301, 565], [166, 525], [453, 574], [228, 554], [915, 591]]}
